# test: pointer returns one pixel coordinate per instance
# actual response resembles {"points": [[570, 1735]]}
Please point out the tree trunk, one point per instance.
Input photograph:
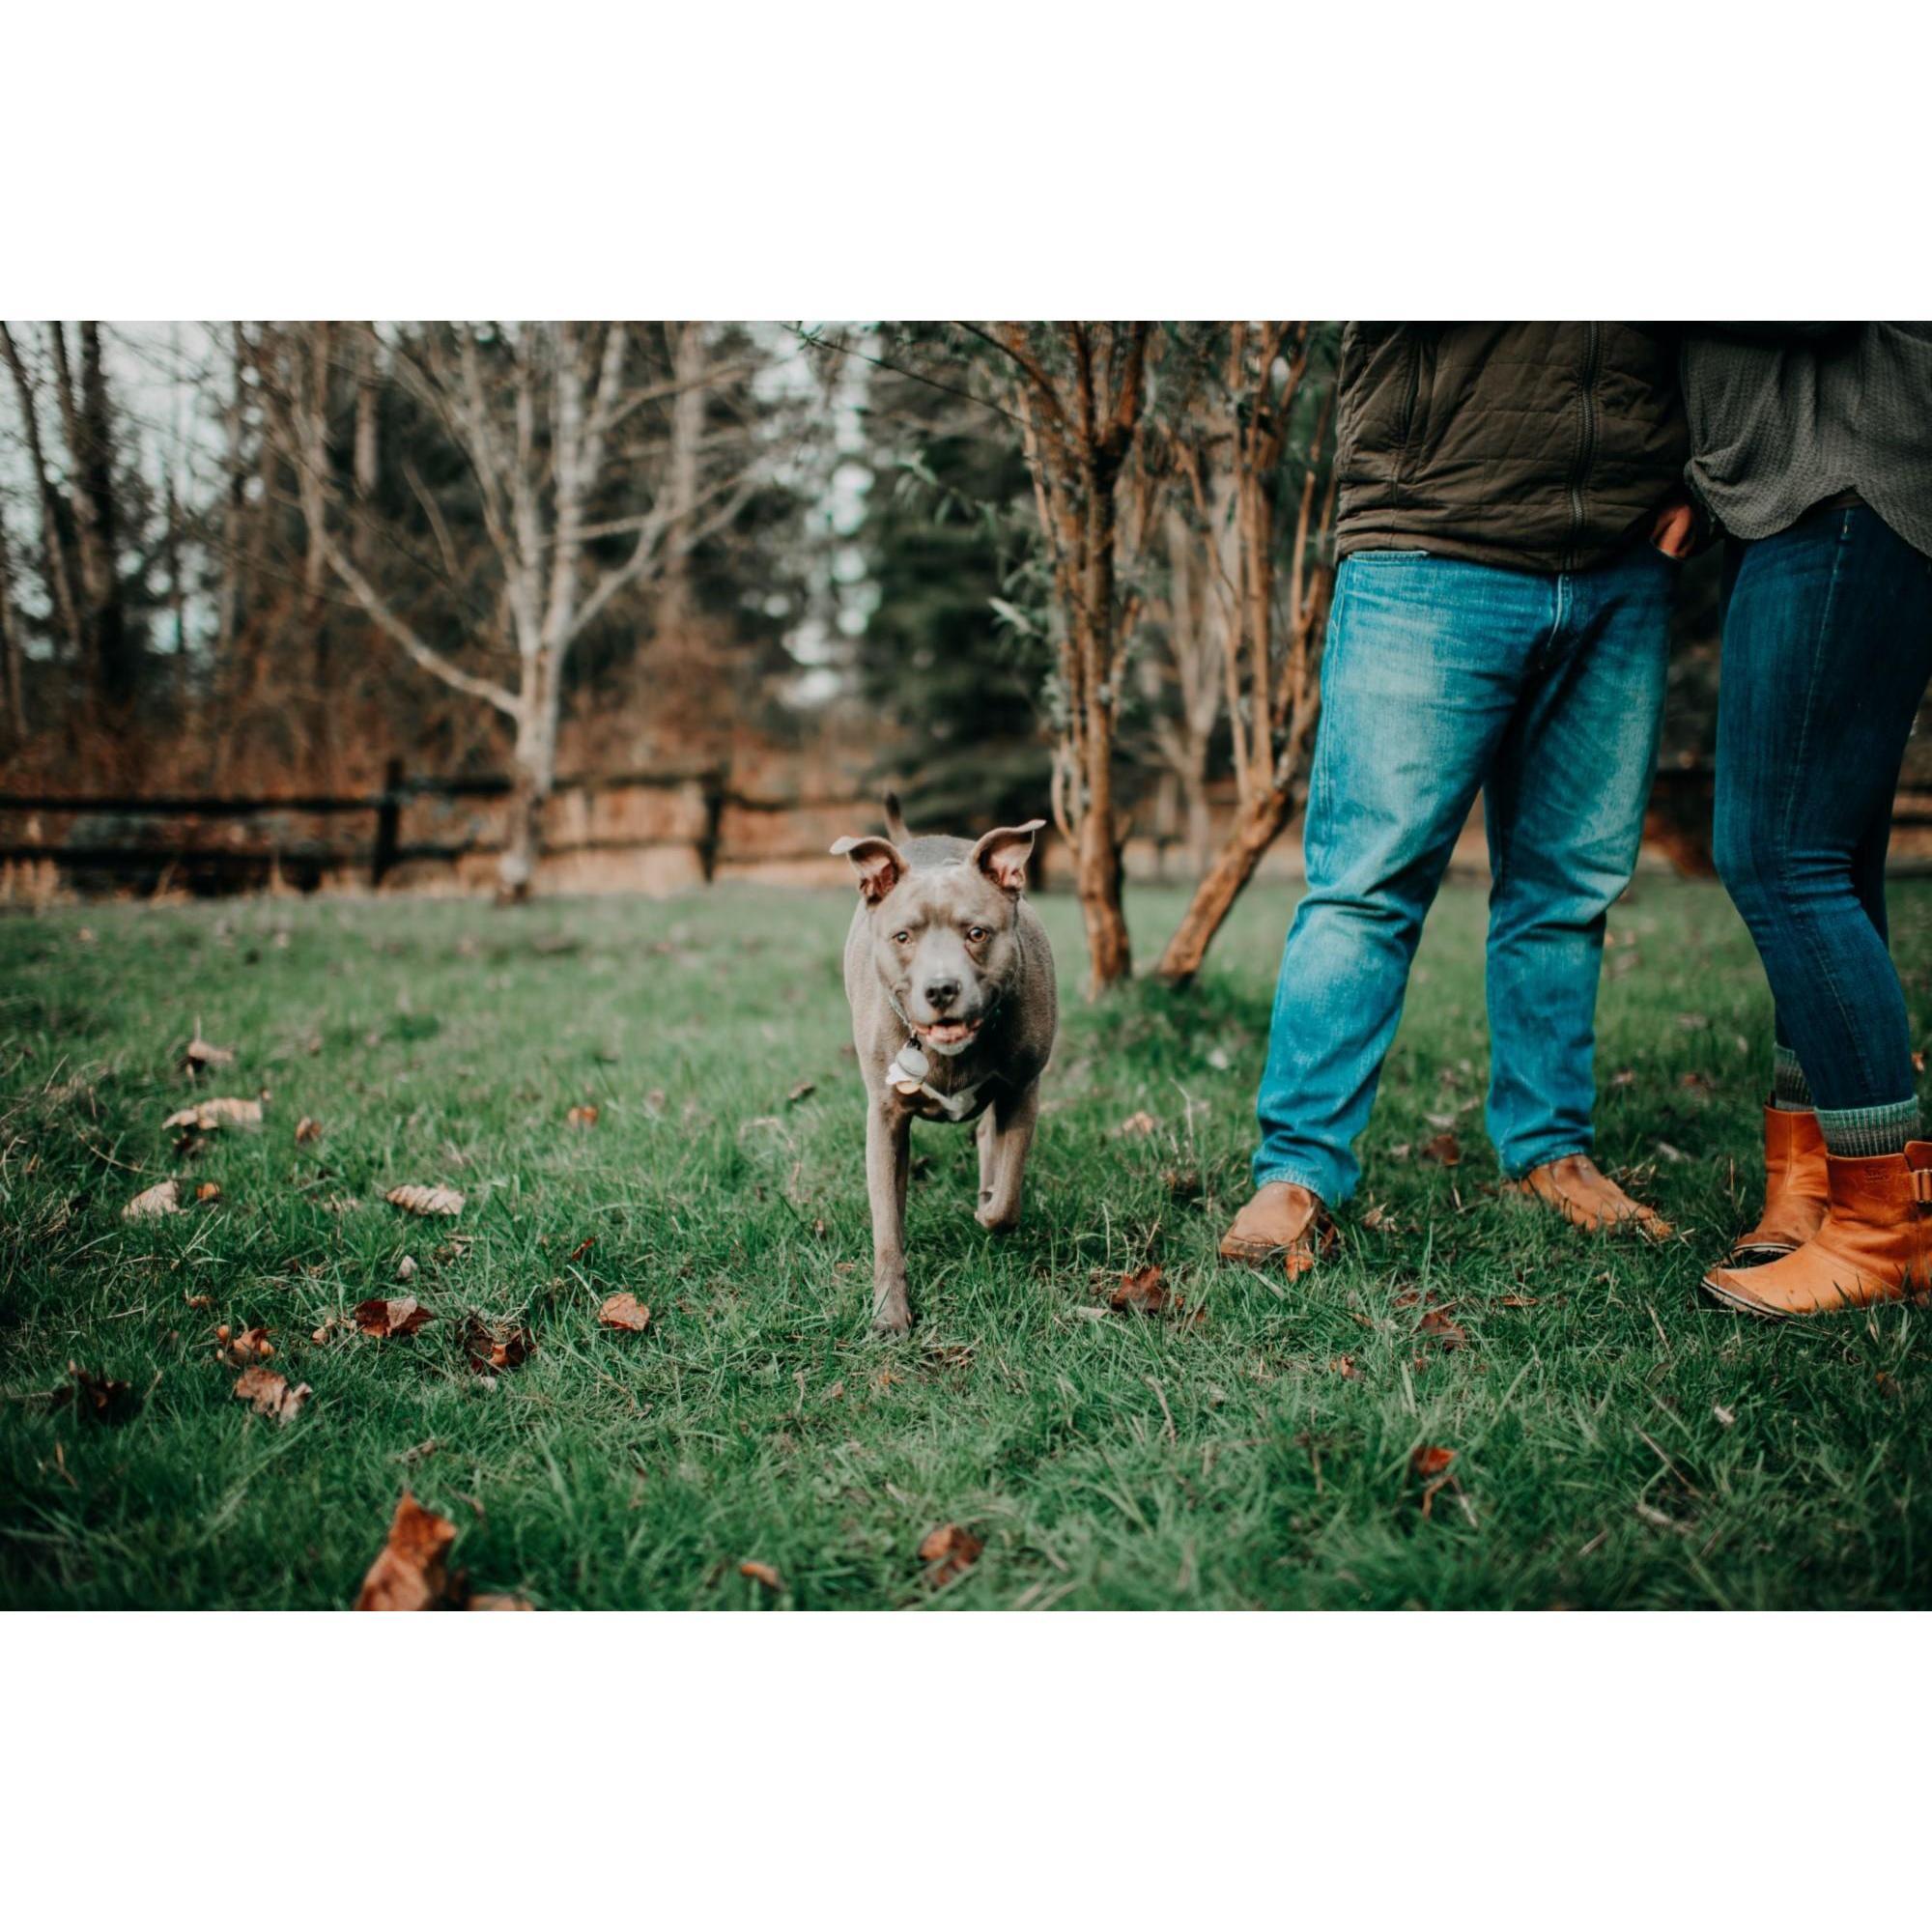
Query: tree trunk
{"points": [[533, 778], [1097, 878], [1257, 825], [89, 431], [9, 646], [53, 545], [1200, 825]]}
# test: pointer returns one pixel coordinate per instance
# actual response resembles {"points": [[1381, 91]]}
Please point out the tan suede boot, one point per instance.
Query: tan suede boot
{"points": [[1796, 1189], [1874, 1246], [1282, 1221], [1582, 1193]]}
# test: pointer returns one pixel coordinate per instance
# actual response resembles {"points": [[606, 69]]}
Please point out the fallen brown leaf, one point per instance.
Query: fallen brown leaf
{"points": [[425, 1200], [494, 1347], [1518, 1301], [163, 1198], [205, 1115], [804, 1090], [382, 1318], [1140, 1292], [623, 1310], [1436, 1325], [307, 1130], [1445, 1150], [1430, 1459], [209, 1192], [251, 1344], [202, 1053], [199, 1300], [1138, 1124], [761, 1572], [270, 1394], [584, 1116], [949, 1551], [406, 1268], [99, 1396], [410, 1571], [1345, 1367], [583, 1248]]}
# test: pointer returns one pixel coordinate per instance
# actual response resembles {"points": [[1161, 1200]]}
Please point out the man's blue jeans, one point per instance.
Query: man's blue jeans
{"points": [[1828, 647], [1441, 678]]}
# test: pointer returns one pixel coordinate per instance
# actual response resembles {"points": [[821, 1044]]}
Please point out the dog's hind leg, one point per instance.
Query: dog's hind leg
{"points": [[888, 1157], [1006, 1151]]}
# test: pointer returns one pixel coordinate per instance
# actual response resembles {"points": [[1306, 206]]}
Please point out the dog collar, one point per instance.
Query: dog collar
{"points": [[907, 1075]]}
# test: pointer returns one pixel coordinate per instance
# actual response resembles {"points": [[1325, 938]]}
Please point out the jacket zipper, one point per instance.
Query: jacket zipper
{"points": [[1414, 361], [1587, 447]]}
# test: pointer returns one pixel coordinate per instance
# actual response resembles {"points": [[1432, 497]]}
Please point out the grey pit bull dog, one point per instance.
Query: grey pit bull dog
{"points": [[954, 1011]]}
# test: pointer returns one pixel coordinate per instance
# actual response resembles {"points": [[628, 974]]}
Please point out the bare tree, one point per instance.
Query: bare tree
{"points": [[54, 564], [1079, 391], [86, 422], [1270, 633], [560, 430], [10, 643]]}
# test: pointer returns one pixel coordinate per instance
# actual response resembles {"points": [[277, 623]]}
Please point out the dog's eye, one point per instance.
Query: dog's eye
{"points": [[976, 933], [901, 938]]}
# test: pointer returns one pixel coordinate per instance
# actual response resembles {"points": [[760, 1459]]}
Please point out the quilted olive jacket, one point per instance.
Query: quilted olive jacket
{"points": [[1532, 446]]}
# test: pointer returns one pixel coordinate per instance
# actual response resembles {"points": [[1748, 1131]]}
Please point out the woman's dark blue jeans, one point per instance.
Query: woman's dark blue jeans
{"points": [[1827, 652]]}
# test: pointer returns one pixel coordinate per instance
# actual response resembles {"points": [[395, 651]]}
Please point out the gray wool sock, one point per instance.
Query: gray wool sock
{"points": [[1790, 1090], [1864, 1133]]}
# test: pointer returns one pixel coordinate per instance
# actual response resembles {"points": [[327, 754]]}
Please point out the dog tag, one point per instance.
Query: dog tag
{"points": [[915, 1062]]}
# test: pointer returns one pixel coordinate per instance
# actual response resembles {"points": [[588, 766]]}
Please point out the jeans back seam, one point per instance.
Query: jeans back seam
{"points": [[1820, 962]]}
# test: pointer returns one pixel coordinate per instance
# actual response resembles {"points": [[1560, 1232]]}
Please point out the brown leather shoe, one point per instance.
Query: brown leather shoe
{"points": [[1875, 1244], [1282, 1220], [1582, 1193], [1796, 1189]]}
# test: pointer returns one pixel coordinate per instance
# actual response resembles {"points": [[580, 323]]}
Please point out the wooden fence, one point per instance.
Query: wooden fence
{"points": [[653, 831]]}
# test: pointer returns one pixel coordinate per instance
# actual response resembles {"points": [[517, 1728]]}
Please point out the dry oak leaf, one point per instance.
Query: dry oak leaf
{"points": [[1138, 1124], [209, 1191], [425, 1200], [492, 1348], [1141, 1291], [623, 1310], [950, 1552], [307, 1130], [205, 1115], [1430, 1459], [382, 1317], [163, 1198], [1437, 1324], [1445, 1150], [410, 1571], [584, 1116], [761, 1572], [1345, 1367], [270, 1393]]}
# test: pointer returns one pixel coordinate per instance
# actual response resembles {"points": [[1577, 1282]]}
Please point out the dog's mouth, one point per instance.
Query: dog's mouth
{"points": [[949, 1033]]}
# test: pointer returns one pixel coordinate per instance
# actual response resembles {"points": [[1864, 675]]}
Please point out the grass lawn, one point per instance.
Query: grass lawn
{"points": [[1617, 1440]]}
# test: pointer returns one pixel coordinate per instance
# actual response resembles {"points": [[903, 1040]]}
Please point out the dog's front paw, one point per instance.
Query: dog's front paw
{"points": [[996, 1219], [892, 1312]]}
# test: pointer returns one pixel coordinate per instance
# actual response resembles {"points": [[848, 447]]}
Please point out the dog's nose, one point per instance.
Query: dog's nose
{"points": [[941, 994]]}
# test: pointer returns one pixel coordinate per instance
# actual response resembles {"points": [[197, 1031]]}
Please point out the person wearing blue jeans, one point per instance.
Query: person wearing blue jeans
{"points": [[1812, 445], [1500, 626]]}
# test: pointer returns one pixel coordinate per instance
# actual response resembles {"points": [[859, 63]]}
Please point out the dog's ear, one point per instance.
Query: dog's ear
{"points": [[878, 862], [1003, 854]]}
